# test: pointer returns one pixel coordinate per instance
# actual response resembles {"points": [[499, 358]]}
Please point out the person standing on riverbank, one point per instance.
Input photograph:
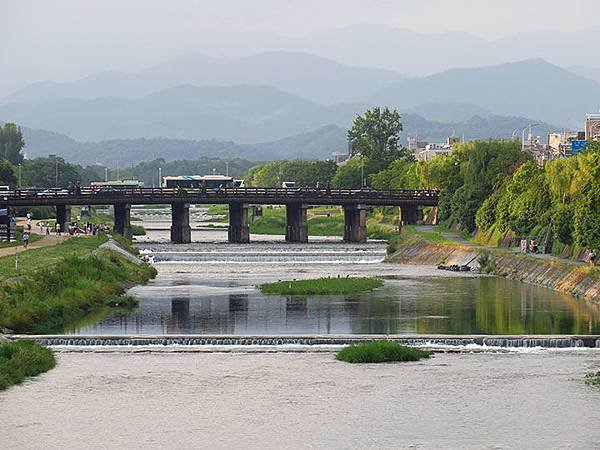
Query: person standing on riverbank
{"points": [[592, 258]]}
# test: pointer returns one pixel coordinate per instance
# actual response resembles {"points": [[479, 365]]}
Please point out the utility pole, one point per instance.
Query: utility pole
{"points": [[19, 175], [160, 177], [362, 171], [117, 170], [106, 174], [55, 172], [226, 168]]}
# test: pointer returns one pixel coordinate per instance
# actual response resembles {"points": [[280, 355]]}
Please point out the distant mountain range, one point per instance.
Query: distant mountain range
{"points": [[316, 144], [532, 88], [251, 114], [308, 76]]}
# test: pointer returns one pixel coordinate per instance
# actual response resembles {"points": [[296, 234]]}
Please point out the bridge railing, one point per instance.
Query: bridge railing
{"points": [[154, 193]]}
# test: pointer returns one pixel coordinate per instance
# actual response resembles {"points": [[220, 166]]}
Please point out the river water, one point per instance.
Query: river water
{"points": [[209, 287]]}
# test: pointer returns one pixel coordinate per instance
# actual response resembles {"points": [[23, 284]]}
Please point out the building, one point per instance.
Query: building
{"points": [[433, 149], [592, 127]]}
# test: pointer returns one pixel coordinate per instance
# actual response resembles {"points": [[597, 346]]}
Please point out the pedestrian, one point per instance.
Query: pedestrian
{"points": [[26, 237], [592, 258], [523, 245], [57, 229], [47, 230], [534, 246]]}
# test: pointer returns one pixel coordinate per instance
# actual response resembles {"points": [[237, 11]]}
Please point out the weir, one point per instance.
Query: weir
{"points": [[181, 233], [483, 341], [296, 226], [123, 219], [239, 229]]}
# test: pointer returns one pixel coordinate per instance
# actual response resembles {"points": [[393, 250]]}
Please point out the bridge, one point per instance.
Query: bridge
{"points": [[354, 201]]}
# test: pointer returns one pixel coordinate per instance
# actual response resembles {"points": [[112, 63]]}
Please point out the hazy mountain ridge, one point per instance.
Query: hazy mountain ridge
{"points": [[308, 76], [317, 144], [531, 88]]}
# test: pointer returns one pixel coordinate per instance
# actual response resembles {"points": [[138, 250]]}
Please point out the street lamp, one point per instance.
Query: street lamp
{"points": [[19, 175], [160, 177]]}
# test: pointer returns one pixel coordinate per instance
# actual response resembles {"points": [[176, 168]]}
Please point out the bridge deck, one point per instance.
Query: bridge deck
{"points": [[86, 196]]}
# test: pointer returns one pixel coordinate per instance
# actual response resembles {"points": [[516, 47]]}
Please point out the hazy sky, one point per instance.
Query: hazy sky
{"points": [[67, 39]]}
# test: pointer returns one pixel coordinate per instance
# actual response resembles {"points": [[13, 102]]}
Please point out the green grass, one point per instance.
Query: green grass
{"points": [[379, 352], [22, 359], [138, 230], [592, 379], [46, 300], [322, 286], [39, 258]]}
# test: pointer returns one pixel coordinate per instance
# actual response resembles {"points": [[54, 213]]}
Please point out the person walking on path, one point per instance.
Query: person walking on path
{"points": [[57, 229], [592, 258], [26, 238]]}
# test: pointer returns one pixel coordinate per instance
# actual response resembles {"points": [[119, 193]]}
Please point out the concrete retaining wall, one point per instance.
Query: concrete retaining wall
{"points": [[568, 277]]}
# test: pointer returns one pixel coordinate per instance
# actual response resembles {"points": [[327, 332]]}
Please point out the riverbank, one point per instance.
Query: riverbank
{"points": [[54, 286], [559, 274], [491, 400]]}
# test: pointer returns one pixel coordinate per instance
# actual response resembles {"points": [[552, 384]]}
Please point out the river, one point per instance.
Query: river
{"points": [[210, 287]]}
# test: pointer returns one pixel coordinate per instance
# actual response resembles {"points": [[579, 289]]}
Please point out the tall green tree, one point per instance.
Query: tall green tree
{"points": [[376, 135], [7, 174], [11, 143]]}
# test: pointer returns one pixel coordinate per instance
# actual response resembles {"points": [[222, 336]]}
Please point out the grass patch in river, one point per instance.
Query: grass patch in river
{"points": [[592, 379], [22, 359], [379, 352], [322, 286]]}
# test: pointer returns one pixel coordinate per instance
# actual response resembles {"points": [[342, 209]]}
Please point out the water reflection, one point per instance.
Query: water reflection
{"points": [[412, 305]]}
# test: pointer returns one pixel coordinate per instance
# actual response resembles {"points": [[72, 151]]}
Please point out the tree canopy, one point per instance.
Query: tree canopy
{"points": [[11, 143], [376, 135]]}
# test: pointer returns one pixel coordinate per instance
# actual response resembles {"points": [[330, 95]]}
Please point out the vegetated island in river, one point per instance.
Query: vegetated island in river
{"points": [[379, 352], [321, 286]]}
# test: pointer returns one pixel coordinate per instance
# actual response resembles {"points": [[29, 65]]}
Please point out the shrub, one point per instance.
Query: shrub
{"points": [[593, 379], [486, 262], [380, 351], [22, 359]]}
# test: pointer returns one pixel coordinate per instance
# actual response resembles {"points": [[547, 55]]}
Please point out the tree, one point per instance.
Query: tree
{"points": [[7, 174], [11, 143], [376, 134], [45, 172]]}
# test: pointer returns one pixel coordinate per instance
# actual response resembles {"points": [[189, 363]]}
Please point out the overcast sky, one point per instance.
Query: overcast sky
{"points": [[67, 39]]}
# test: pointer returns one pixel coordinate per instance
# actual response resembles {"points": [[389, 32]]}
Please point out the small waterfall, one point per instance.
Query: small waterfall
{"points": [[530, 342], [256, 253], [224, 340]]}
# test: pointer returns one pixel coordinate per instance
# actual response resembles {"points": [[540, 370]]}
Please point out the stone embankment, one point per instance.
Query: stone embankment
{"points": [[551, 272]]}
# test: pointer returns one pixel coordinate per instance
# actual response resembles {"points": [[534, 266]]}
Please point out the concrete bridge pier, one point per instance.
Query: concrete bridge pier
{"points": [[181, 233], [409, 214], [296, 225], [239, 230], [63, 216], [355, 223], [123, 219]]}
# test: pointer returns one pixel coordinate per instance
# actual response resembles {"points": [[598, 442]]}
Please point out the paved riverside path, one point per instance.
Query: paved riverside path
{"points": [[305, 400], [45, 241]]}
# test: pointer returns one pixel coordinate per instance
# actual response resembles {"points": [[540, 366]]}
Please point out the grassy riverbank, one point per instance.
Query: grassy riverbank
{"points": [[322, 286], [58, 285], [379, 352], [23, 359]]}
